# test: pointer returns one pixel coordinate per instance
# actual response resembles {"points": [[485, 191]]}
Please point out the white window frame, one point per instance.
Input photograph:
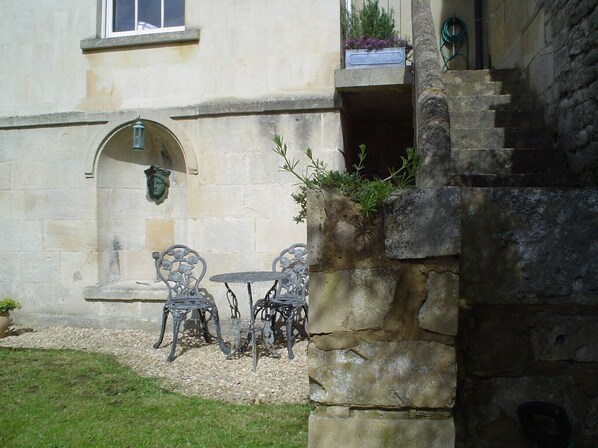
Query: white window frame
{"points": [[108, 13]]}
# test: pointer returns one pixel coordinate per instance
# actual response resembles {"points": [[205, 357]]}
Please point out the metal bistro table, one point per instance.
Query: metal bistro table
{"points": [[247, 278]]}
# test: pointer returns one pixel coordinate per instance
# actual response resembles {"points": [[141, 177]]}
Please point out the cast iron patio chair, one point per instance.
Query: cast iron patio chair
{"points": [[287, 298], [182, 269]]}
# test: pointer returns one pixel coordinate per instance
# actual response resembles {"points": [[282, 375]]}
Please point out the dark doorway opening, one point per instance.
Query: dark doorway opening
{"points": [[381, 118]]}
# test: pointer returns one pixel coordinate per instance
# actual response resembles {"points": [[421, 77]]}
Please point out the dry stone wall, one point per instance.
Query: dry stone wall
{"points": [[382, 361], [501, 283]]}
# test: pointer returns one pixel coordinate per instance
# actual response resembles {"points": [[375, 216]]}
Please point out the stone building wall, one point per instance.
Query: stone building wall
{"points": [[78, 223], [555, 43]]}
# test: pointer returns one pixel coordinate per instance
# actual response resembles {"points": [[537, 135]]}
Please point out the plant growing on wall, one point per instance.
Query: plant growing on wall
{"points": [[370, 27], [367, 193]]}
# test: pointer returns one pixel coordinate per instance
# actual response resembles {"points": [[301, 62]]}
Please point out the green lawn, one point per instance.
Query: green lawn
{"points": [[62, 398]]}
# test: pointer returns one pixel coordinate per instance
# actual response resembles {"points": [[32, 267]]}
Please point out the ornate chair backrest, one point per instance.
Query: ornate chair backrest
{"points": [[182, 269], [292, 260]]}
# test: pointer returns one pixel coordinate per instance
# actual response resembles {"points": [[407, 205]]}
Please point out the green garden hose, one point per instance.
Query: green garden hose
{"points": [[453, 35]]}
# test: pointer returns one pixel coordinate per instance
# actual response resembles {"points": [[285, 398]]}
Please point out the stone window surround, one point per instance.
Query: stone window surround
{"points": [[102, 43]]}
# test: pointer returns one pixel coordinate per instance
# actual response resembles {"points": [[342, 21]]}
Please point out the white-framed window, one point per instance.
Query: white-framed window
{"points": [[134, 17]]}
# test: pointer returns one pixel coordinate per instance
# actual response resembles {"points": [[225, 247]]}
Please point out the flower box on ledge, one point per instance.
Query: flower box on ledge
{"points": [[375, 58]]}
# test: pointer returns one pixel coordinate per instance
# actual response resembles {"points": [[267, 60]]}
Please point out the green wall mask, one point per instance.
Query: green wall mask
{"points": [[158, 182]]}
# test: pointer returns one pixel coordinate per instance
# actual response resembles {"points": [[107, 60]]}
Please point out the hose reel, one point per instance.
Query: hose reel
{"points": [[453, 36]]}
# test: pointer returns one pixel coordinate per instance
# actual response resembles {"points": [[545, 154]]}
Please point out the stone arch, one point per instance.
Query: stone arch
{"points": [[125, 120], [130, 225]]}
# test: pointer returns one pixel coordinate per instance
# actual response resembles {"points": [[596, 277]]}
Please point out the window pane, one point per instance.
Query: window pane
{"points": [[124, 15], [174, 12], [149, 14]]}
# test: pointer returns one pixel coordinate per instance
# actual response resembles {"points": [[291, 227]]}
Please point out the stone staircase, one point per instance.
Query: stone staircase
{"points": [[498, 138]]}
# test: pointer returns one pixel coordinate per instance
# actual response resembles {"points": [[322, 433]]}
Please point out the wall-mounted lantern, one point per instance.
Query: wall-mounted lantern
{"points": [[138, 135]]}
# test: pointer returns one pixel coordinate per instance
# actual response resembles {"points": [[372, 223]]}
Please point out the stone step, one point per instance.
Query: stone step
{"points": [[496, 138], [483, 88], [514, 101], [495, 118], [505, 161], [513, 180], [469, 76]]}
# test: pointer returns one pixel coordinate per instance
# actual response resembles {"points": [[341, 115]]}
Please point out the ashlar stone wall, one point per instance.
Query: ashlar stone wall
{"points": [[383, 319], [555, 43], [529, 317]]}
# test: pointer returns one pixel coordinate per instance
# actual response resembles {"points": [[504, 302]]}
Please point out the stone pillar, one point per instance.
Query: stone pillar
{"points": [[383, 318]]}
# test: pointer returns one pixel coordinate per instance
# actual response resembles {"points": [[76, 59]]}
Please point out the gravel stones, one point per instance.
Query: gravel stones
{"points": [[199, 369]]}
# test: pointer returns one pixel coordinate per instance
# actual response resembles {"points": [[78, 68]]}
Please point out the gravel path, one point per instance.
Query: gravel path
{"points": [[199, 369]]}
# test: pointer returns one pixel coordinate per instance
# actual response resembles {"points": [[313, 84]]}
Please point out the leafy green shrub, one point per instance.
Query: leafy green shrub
{"points": [[8, 304], [367, 193]]}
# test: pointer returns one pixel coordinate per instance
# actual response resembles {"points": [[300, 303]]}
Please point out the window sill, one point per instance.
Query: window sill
{"points": [[142, 40]]}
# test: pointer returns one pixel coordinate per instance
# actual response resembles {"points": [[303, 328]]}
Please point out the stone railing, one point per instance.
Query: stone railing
{"points": [[383, 317], [432, 130]]}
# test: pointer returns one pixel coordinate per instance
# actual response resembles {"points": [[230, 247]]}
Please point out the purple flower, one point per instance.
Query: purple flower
{"points": [[374, 43]]}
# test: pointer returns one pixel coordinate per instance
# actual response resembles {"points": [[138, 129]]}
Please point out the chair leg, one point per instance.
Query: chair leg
{"points": [[177, 318], [273, 322], [162, 327], [204, 326], [268, 333]]}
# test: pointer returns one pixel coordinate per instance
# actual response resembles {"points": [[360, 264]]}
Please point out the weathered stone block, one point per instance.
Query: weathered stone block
{"points": [[561, 339], [492, 406], [350, 300], [410, 293], [530, 245], [495, 342], [159, 234], [440, 311], [336, 341], [26, 236], [74, 204], [411, 374], [423, 223], [589, 432], [70, 235], [337, 236], [379, 431]]}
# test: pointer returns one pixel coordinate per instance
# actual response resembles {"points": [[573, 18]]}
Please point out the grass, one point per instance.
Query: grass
{"points": [[63, 398]]}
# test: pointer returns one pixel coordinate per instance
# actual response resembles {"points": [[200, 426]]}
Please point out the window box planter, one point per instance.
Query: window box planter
{"points": [[374, 58]]}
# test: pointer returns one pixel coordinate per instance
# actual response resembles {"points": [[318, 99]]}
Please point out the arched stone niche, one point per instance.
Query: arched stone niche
{"points": [[131, 225]]}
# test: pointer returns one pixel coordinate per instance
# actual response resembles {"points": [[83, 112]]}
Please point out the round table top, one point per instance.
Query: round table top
{"points": [[248, 277]]}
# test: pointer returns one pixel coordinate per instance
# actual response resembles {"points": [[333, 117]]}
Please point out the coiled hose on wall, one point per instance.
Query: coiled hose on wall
{"points": [[453, 35]]}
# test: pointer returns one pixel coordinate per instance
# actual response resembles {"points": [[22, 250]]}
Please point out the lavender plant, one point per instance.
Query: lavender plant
{"points": [[371, 28]]}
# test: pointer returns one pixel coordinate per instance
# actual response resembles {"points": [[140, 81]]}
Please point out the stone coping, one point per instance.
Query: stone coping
{"points": [[224, 107], [345, 79]]}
